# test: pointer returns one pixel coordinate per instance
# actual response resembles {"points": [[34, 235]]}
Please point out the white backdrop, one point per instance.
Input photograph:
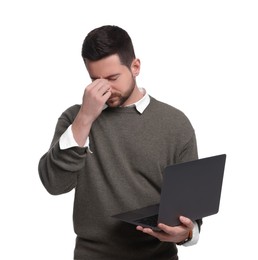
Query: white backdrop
{"points": [[199, 56]]}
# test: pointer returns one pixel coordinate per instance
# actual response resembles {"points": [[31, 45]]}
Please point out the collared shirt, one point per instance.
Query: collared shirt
{"points": [[67, 141]]}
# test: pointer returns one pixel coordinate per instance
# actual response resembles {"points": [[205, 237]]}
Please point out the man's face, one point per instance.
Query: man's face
{"points": [[120, 78]]}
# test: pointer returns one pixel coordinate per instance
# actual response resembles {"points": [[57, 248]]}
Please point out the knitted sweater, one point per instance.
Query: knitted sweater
{"points": [[123, 172]]}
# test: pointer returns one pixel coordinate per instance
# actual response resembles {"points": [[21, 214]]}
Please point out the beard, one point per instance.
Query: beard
{"points": [[117, 99]]}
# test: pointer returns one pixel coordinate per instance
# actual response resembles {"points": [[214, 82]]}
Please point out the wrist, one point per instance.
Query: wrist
{"points": [[190, 235]]}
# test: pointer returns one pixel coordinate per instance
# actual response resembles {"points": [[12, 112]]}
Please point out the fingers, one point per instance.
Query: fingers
{"points": [[98, 84], [95, 96], [98, 88], [167, 229], [102, 87], [148, 231], [162, 236], [97, 92], [168, 233]]}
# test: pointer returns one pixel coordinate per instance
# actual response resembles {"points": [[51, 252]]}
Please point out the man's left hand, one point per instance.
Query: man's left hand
{"points": [[171, 234]]}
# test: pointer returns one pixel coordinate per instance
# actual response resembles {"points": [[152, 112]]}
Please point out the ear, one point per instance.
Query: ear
{"points": [[135, 67]]}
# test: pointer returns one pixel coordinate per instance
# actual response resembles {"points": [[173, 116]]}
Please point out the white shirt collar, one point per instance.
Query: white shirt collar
{"points": [[141, 104]]}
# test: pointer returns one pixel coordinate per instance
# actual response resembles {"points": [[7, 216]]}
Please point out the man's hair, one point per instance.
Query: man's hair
{"points": [[108, 40]]}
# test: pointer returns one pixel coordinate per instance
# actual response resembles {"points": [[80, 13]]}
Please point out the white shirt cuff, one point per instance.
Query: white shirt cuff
{"points": [[67, 140], [195, 236]]}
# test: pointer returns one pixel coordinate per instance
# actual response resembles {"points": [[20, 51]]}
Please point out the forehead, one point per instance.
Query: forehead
{"points": [[105, 67]]}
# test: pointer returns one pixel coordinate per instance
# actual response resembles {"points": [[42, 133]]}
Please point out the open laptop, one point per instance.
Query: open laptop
{"points": [[191, 189]]}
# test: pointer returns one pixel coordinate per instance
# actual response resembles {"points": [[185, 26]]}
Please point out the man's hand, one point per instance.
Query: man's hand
{"points": [[94, 98], [171, 234]]}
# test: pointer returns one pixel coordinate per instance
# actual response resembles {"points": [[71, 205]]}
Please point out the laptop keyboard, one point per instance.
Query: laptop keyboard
{"points": [[150, 221]]}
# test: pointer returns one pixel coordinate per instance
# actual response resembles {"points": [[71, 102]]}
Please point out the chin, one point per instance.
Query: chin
{"points": [[113, 104]]}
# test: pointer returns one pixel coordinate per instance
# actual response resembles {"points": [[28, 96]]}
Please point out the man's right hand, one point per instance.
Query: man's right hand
{"points": [[94, 98]]}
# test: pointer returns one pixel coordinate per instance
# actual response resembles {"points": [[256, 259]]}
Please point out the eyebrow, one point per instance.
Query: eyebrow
{"points": [[108, 77]]}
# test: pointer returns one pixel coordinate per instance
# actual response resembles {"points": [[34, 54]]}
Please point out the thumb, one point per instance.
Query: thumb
{"points": [[187, 222]]}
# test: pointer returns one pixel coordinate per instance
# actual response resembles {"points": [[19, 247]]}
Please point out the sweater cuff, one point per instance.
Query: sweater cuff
{"points": [[195, 236], [67, 140]]}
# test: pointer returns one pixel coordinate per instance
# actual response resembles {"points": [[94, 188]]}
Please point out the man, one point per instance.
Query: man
{"points": [[112, 150]]}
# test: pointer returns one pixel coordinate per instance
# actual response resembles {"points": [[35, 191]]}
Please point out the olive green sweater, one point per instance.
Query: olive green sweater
{"points": [[123, 172]]}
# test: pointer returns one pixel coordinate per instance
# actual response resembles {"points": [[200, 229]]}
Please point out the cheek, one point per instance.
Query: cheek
{"points": [[122, 84], [118, 85], [127, 81]]}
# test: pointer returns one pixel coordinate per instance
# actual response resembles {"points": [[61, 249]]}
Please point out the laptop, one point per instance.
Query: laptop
{"points": [[191, 189]]}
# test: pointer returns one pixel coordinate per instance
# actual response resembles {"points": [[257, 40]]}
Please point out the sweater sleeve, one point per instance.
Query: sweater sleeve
{"points": [[59, 169], [189, 150]]}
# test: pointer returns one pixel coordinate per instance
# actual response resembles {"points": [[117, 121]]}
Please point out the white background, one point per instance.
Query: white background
{"points": [[199, 56]]}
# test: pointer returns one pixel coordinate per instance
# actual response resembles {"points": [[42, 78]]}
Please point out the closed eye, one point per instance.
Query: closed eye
{"points": [[113, 77], [109, 78]]}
